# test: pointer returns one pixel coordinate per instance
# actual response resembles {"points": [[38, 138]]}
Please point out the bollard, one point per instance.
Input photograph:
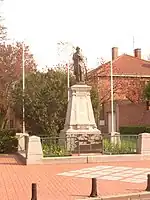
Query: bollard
{"points": [[34, 191], [148, 183], [94, 188]]}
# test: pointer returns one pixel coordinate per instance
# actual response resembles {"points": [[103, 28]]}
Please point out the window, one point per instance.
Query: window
{"points": [[147, 105], [102, 111]]}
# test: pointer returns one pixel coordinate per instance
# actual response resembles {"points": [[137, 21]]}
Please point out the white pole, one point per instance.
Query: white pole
{"points": [[68, 79], [23, 88], [112, 97], [133, 42]]}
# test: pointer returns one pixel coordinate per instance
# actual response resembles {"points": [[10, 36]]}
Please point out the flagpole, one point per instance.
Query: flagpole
{"points": [[112, 97], [133, 42], [23, 88], [68, 80]]}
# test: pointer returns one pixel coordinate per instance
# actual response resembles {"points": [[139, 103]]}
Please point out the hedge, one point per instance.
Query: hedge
{"points": [[8, 141], [134, 130]]}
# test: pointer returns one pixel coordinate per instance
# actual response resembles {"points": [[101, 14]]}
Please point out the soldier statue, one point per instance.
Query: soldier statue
{"points": [[79, 66]]}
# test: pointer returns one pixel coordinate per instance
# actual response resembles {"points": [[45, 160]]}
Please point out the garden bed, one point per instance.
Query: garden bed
{"points": [[124, 145]]}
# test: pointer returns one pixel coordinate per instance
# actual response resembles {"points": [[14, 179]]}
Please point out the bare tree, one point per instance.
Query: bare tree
{"points": [[65, 52], [3, 30], [10, 72]]}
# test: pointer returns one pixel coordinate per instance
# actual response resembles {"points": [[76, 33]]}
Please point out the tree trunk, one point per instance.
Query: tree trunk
{"points": [[4, 123], [4, 120]]}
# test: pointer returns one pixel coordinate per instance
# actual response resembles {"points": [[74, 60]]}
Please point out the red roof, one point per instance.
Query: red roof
{"points": [[126, 65]]}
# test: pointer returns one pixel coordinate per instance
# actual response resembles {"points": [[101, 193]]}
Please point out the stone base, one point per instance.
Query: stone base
{"points": [[71, 132], [80, 114], [80, 124], [34, 150], [144, 143], [76, 138]]}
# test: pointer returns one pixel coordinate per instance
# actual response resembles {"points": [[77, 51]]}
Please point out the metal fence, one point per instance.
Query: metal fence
{"points": [[66, 146], [57, 146], [120, 144]]}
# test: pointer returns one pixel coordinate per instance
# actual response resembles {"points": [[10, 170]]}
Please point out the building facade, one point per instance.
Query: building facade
{"points": [[130, 75]]}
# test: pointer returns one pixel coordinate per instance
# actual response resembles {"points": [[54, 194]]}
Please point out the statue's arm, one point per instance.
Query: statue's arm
{"points": [[80, 57]]}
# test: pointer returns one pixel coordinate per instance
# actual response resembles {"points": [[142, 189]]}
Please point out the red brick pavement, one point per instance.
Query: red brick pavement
{"points": [[16, 180]]}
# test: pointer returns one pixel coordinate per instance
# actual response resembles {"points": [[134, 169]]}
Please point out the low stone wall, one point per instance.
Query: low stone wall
{"points": [[95, 159], [144, 143], [34, 154], [22, 141], [22, 157], [65, 160]]}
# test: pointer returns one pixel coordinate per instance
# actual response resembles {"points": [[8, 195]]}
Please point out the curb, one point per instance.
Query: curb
{"points": [[137, 195]]}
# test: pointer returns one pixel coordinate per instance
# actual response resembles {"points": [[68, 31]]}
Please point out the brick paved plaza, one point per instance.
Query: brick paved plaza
{"points": [[54, 184]]}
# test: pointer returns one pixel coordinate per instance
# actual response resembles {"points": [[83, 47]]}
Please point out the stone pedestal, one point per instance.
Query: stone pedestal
{"points": [[34, 151], [144, 143], [80, 120]]}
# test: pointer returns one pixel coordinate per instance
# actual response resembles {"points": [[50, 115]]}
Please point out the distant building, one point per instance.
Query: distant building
{"points": [[130, 74]]}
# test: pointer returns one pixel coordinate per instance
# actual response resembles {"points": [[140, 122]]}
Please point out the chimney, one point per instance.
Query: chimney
{"points": [[137, 53], [114, 53]]}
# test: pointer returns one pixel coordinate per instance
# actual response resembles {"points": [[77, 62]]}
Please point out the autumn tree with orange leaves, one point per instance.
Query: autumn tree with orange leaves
{"points": [[10, 73], [125, 88], [132, 88]]}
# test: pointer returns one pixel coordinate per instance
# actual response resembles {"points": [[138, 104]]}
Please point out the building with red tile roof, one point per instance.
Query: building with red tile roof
{"points": [[130, 74]]}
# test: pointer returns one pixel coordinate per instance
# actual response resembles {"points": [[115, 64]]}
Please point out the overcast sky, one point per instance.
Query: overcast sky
{"points": [[94, 25]]}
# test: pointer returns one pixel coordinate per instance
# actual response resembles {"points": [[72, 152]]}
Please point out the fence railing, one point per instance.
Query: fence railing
{"points": [[57, 146], [120, 144]]}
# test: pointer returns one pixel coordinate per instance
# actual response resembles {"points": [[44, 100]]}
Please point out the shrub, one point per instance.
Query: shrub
{"points": [[54, 150], [8, 141], [132, 130], [124, 147], [147, 129]]}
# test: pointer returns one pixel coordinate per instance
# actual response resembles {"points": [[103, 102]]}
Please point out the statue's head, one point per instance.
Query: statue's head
{"points": [[77, 49]]}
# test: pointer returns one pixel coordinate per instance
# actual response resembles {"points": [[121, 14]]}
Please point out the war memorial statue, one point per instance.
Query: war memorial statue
{"points": [[80, 128], [79, 66]]}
